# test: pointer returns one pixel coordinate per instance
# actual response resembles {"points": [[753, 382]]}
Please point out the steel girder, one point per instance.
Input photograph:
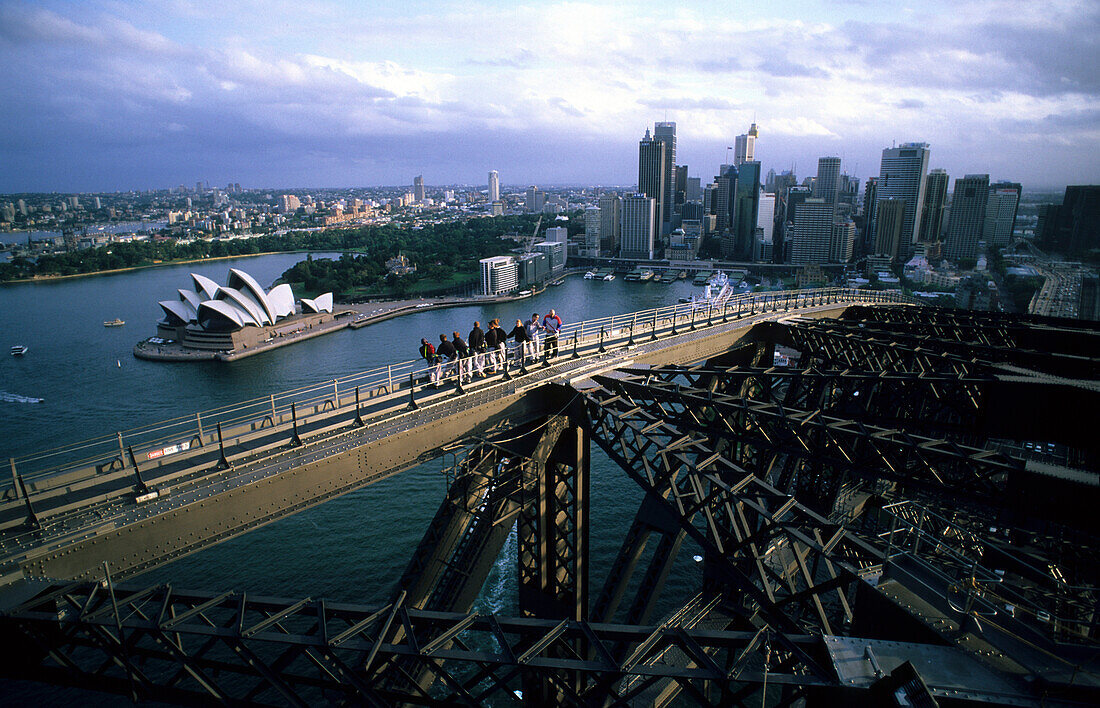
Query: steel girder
{"points": [[955, 343], [160, 643]]}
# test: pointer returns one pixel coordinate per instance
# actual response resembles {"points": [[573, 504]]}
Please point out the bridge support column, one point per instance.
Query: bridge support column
{"points": [[553, 546]]}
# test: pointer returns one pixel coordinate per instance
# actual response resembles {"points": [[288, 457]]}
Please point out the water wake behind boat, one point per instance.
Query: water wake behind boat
{"points": [[16, 398]]}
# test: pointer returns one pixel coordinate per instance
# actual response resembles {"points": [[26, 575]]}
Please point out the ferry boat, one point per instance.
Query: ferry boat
{"points": [[590, 275], [116, 322], [524, 293], [609, 276], [19, 350], [701, 278]]}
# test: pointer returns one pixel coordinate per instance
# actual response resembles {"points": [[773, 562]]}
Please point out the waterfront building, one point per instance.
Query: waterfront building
{"points": [[494, 186], [967, 218], [902, 175], [499, 274], [611, 205], [235, 315], [935, 200], [555, 251], [591, 246], [639, 225]]}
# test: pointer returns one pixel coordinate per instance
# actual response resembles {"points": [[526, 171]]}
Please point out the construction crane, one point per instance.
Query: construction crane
{"points": [[534, 235]]}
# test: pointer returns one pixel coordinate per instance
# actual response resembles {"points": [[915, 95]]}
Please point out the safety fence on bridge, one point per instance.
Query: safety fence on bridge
{"points": [[382, 391]]}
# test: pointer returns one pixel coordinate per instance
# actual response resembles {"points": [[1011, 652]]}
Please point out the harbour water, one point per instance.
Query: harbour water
{"points": [[353, 548]]}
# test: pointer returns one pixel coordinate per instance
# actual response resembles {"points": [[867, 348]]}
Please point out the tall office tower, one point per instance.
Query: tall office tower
{"points": [[679, 191], [935, 199], [902, 176], [1000, 213], [827, 184], [812, 232], [763, 247], [849, 192], [693, 190], [867, 213], [639, 226], [967, 219], [21, 205], [744, 146], [494, 186], [611, 206], [591, 247], [890, 228], [653, 171], [534, 200], [198, 187], [666, 133], [722, 203], [747, 206], [842, 245], [418, 188]]}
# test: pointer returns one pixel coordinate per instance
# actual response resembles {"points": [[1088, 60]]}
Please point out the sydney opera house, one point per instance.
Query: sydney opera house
{"points": [[236, 315]]}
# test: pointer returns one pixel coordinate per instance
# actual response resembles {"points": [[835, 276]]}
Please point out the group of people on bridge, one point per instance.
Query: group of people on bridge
{"points": [[484, 352]]}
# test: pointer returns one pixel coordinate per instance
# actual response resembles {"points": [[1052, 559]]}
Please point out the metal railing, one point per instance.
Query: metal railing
{"points": [[382, 391]]}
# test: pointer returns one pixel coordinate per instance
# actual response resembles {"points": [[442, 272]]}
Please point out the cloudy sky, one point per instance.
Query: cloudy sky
{"points": [[110, 94]]}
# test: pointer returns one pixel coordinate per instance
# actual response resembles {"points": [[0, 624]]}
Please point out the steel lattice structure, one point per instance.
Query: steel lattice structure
{"points": [[907, 510]]}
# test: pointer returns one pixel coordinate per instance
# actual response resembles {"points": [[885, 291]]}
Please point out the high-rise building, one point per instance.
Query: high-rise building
{"points": [[1000, 213], [935, 199], [693, 192], [666, 133], [827, 184], [557, 234], [679, 192], [967, 219], [418, 188], [611, 206], [811, 233], [746, 208], [494, 186], [591, 247], [764, 245], [499, 274], [534, 200], [725, 193], [744, 146], [1074, 225], [902, 175], [653, 171], [842, 245], [890, 228], [639, 226]]}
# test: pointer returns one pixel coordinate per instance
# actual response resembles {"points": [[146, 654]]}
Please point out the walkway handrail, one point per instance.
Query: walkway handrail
{"points": [[385, 389]]}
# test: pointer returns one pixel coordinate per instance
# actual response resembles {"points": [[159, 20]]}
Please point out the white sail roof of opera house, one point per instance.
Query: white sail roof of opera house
{"points": [[241, 302], [321, 303]]}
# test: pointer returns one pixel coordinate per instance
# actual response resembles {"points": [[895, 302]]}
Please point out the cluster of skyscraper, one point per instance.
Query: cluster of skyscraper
{"points": [[820, 220]]}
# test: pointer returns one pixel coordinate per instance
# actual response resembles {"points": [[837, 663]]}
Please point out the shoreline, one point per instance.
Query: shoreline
{"points": [[114, 271]]}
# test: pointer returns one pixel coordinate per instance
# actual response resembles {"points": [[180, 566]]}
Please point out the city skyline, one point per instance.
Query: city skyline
{"points": [[110, 96]]}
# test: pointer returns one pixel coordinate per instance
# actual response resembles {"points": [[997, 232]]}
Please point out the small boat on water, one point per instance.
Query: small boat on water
{"points": [[609, 276], [19, 350], [116, 322], [590, 275]]}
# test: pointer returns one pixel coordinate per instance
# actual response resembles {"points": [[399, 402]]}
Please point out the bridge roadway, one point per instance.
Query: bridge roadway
{"points": [[78, 519]]}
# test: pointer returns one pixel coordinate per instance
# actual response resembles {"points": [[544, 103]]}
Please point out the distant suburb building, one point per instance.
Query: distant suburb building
{"points": [[499, 274]]}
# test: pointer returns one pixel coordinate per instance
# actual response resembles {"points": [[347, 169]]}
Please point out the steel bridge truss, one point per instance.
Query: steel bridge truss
{"points": [[869, 519]]}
